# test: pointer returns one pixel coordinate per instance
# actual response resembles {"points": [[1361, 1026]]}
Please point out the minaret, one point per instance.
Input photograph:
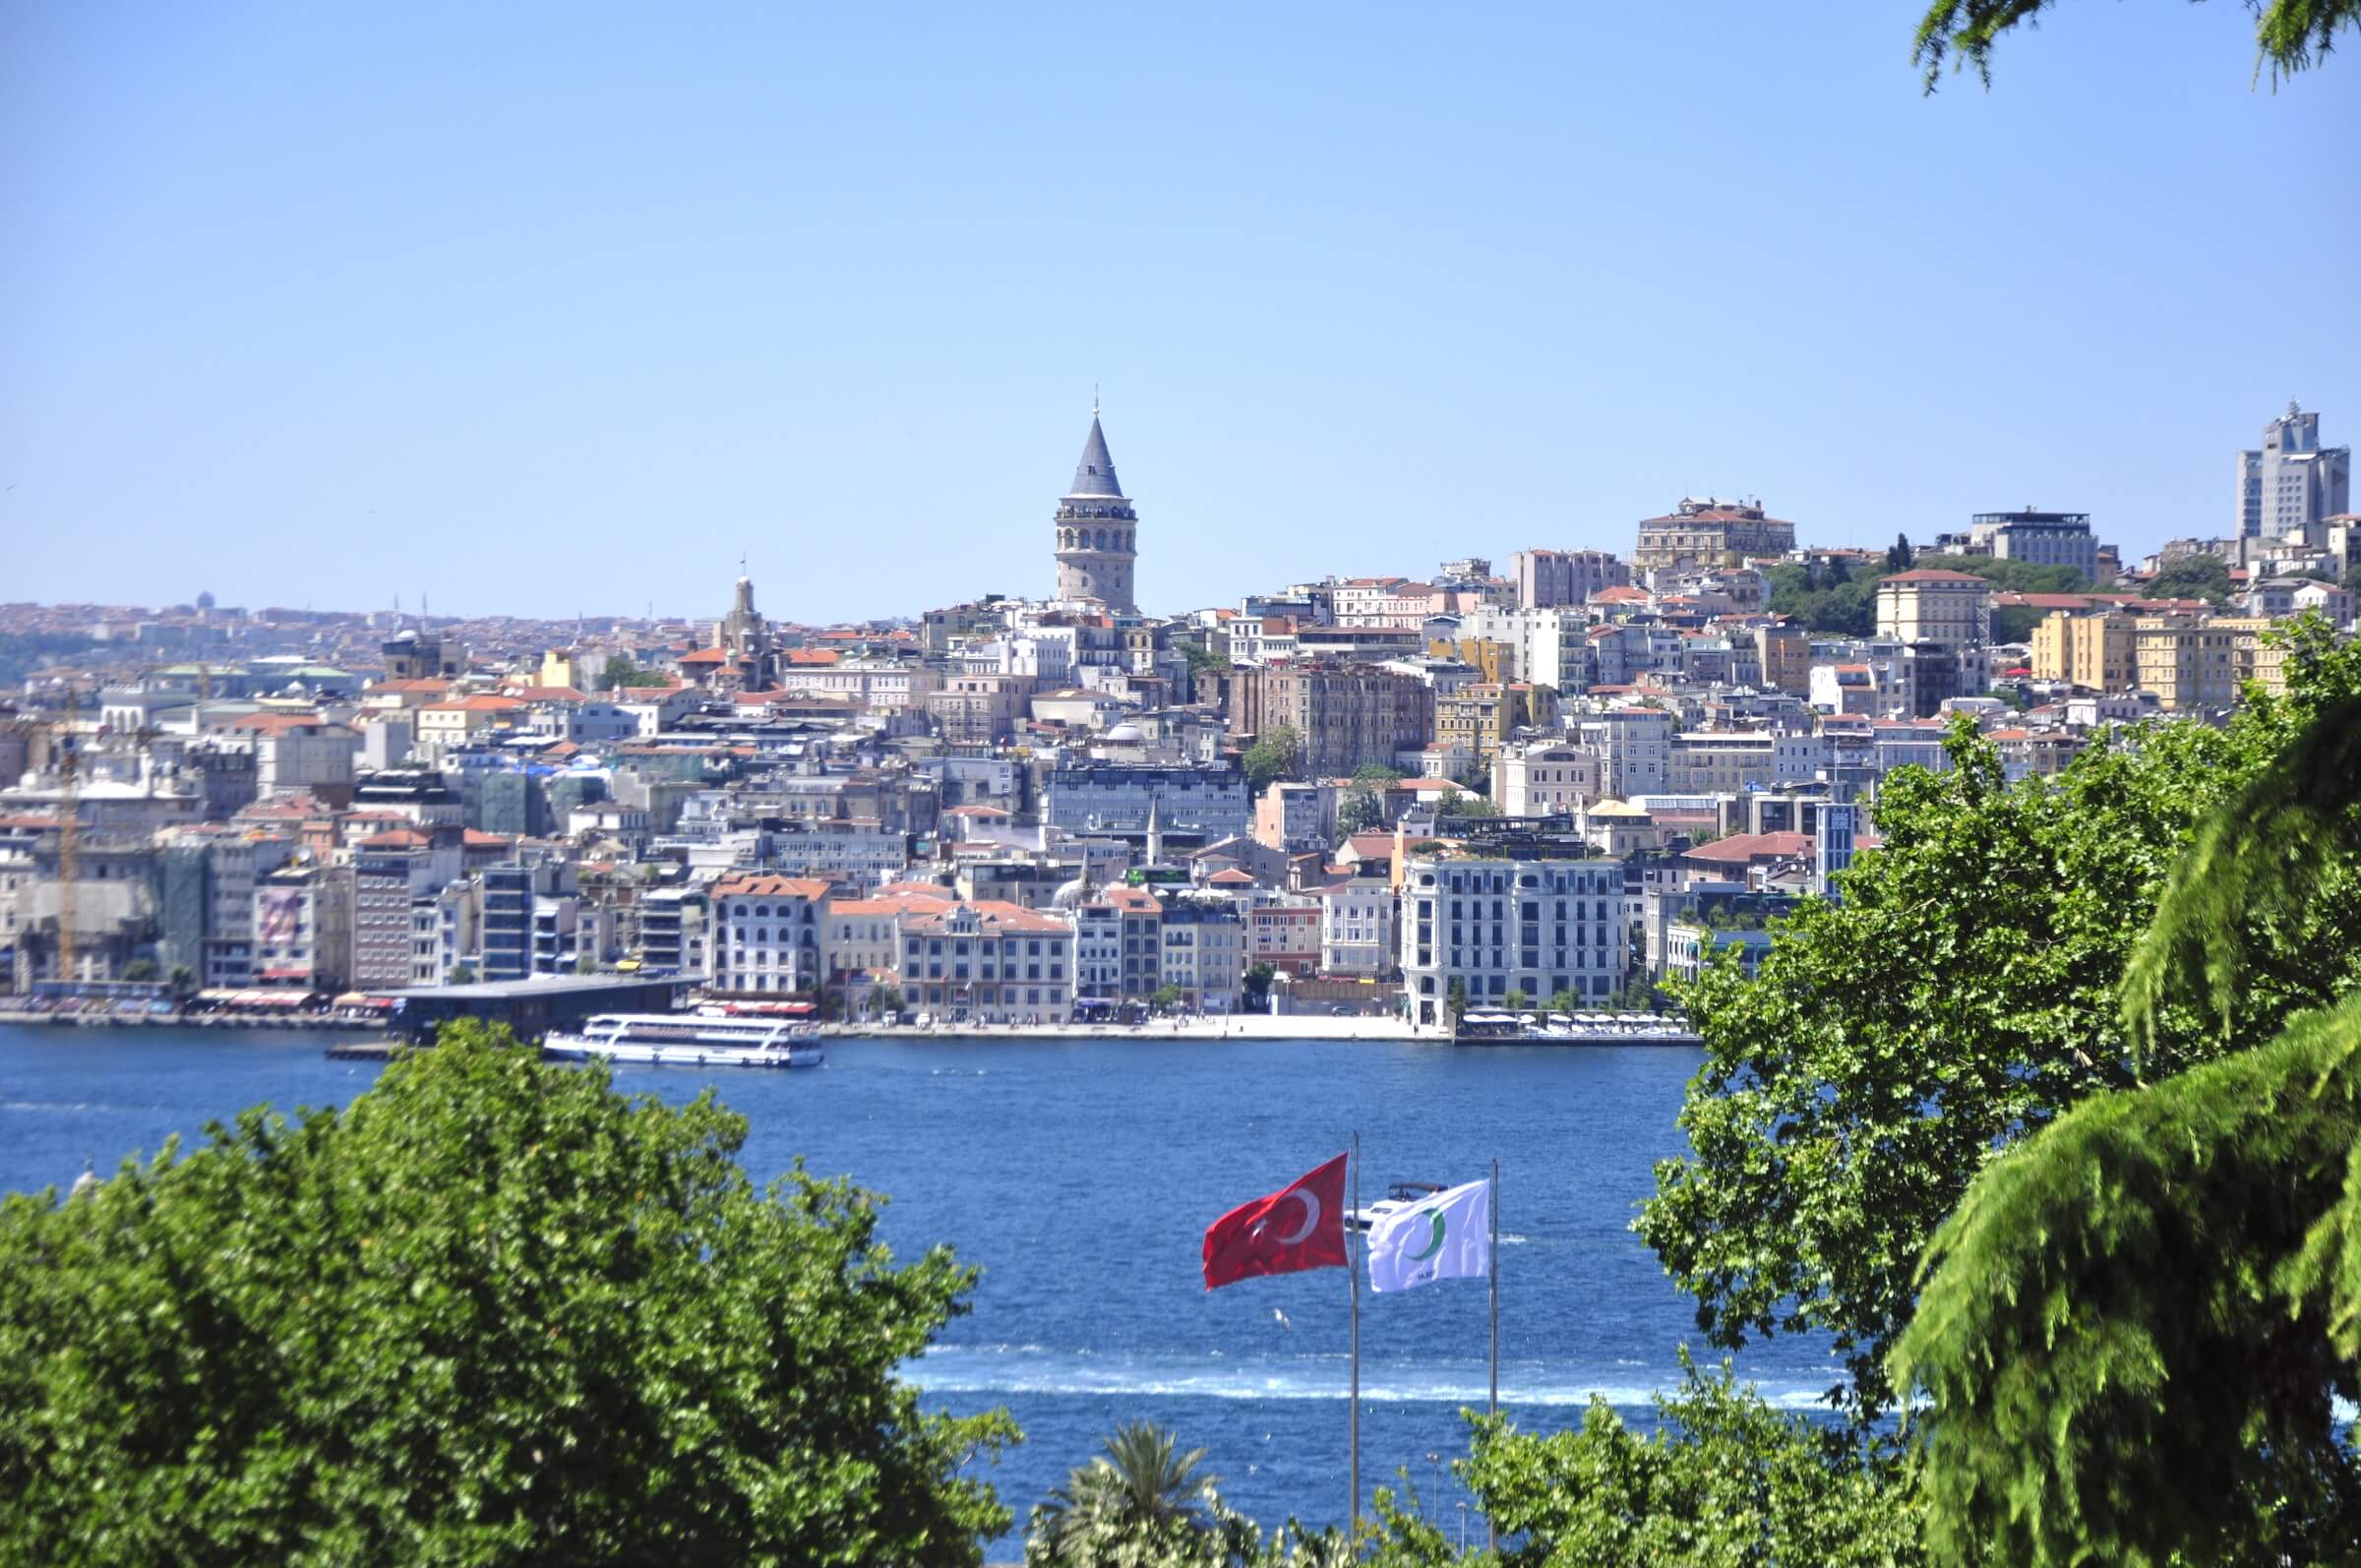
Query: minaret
{"points": [[1095, 530], [1155, 829]]}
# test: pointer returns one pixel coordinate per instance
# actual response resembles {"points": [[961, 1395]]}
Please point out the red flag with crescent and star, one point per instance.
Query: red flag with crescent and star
{"points": [[1301, 1226]]}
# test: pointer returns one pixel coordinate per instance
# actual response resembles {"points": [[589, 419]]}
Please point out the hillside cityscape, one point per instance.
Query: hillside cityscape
{"points": [[1239, 807], [1647, 853]]}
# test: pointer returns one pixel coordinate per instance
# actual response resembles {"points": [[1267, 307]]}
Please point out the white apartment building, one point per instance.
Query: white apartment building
{"points": [[1544, 779], [1357, 928], [1497, 925], [1546, 646], [1952, 608], [1733, 761], [863, 852], [1634, 748], [766, 933]]}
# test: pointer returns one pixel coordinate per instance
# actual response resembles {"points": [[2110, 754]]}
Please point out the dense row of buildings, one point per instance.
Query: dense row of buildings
{"points": [[1559, 784]]}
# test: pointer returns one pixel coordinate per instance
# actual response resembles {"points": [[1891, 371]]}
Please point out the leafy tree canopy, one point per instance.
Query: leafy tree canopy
{"points": [[2011, 576], [1824, 599], [1377, 774], [1466, 802], [2205, 578], [2290, 35], [621, 671], [491, 1312], [2133, 1328], [1362, 809], [1961, 996], [1272, 756], [1721, 1481]]}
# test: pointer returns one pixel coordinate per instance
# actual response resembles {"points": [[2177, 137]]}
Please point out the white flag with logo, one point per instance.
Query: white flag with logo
{"points": [[1445, 1237]]}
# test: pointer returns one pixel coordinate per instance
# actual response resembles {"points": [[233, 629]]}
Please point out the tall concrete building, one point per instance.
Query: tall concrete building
{"points": [[1097, 532], [1343, 715], [1545, 578], [2044, 538], [2292, 482]]}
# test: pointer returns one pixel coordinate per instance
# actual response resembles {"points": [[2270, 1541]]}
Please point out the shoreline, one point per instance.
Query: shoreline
{"points": [[109, 1020]]}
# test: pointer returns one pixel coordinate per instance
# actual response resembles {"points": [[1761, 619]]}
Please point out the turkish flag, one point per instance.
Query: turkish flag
{"points": [[1301, 1226]]}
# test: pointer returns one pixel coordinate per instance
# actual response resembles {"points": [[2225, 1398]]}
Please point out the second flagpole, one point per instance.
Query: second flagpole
{"points": [[1353, 1267], [1494, 1408]]}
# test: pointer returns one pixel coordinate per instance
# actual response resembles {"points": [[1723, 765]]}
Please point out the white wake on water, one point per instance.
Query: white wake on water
{"points": [[1032, 1369]]}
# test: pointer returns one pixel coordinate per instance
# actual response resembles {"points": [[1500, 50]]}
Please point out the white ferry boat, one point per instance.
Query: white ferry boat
{"points": [[688, 1039], [1401, 1195]]}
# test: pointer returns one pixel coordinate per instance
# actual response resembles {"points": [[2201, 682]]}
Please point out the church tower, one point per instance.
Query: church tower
{"points": [[1095, 532]]}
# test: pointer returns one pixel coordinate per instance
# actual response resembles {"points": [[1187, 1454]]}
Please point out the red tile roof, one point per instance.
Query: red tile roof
{"points": [[1743, 848], [764, 884]]}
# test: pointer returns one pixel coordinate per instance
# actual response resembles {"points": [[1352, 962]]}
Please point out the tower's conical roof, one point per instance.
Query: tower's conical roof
{"points": [[1094, 475]]}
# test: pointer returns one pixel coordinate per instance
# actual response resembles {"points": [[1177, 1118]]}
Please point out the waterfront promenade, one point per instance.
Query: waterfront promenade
{"points": [[1233, 1027]]}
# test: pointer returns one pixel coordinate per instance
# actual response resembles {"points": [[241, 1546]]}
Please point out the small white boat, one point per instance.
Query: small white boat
{"points": [[1401, 1195], [688, 1039]]}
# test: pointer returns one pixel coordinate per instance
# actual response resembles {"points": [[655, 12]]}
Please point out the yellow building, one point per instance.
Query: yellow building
{"points": [[1483, 714], [2185, 660], [2092, 652], [1490, 658], [560, 667], [2253, 659]]}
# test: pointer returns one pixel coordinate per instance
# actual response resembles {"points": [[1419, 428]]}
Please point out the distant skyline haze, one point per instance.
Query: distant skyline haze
{"points": [[544, 309]]}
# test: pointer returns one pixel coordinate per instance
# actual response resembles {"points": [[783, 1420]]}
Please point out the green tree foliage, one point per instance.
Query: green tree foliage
{"points": [[1257, 985], [618, 670], [1455, 1001], [885, 1000], [1824, 598], [2206, 577], [1961, 997], [1466, 802], [1515, 1001], [1361, 810], [2133, 1327], [461, 973], [1145, 1504], [1897, 554], [2012, 576], [1565, 1001], [1201, 658], [2290, 35], [140, 968], [183, 982], [1167, 996], [1272, 756], [1722, 1482], [1378, 774], [490, 1312], [2125, 1354]]}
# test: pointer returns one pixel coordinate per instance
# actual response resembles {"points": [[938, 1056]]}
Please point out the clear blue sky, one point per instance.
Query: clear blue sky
{"points": [[541, 307]]}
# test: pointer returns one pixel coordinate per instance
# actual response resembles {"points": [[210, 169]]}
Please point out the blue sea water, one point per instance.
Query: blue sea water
{"points": [[1081, 1177]]}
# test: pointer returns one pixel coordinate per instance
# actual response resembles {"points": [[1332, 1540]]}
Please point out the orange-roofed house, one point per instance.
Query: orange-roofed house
{"points": [[861, 938], [766, 932]]}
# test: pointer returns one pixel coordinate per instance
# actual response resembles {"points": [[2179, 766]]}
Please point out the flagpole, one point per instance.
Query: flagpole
{"points": [[1494, 1271], [1494, 1407], [1353, 1267]]}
